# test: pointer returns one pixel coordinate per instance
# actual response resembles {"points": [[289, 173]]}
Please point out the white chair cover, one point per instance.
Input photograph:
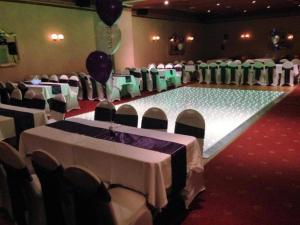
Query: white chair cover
{"points": [[283, 60], [74, 85], [160, 80], [245, 73], [152, 65], [58, 107], [127, 115], [233, 75], [112, 91], [44, 78], [169, 66], [222, 73], [16, 97], [259, 73], [63, 79], [105, 111], [271, 79], [212, 76], [160, 66], [190, 62], [53, 78], [203, 73], [155, 119], [287, 76]]}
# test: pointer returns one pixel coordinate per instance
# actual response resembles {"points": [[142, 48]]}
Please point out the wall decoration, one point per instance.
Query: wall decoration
{"points": [[176, 46], [281, 39]]}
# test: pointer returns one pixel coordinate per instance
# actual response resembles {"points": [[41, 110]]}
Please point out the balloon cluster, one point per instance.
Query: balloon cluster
{"points": [[99, 63], [275, 38]]}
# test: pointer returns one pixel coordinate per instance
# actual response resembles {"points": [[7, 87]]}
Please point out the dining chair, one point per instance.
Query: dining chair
{"points": [[4, 94], [283, 61], [223, 73], [74, 84], [126, 115], [57, 201], [58, 107], [296, 61], [155, 119], [10, 87], [159, 81], [190, 122], [63, 79], [112, 90], [147, 82], [270, 67], [160, 66], [94, 204], [287, 76], [44, 78], [27, 99], [212, 75], [105, 111], [203, 72], [54, 78], [151, 65], [169, 66], [245, 73], [232, 73], [16, 97], [259, 77], [38, 101], [25, 195], [22, 88]]}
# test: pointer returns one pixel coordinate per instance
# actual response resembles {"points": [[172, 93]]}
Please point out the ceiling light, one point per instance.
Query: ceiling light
{"points": [[290, 37], [166, 2], [208, 11], [218, 4], [268, 6], [245, 11], [253, 2]]}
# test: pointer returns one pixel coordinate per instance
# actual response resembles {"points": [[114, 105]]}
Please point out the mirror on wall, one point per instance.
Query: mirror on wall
{"points": [[8, 49]]}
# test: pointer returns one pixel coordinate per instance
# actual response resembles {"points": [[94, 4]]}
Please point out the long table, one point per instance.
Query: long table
{"points": [[146, 171], [7, 127]]}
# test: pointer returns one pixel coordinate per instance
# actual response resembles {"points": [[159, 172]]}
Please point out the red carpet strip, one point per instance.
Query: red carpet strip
{"points": [[256, 179]]}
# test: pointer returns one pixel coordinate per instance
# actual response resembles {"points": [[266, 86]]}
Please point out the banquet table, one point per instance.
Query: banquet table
{"points": [[149, 172], [7, 128], [19, 119], [127, 84]]}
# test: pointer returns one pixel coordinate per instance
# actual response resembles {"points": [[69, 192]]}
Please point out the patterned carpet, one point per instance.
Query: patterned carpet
{"points": [[256, 179]]}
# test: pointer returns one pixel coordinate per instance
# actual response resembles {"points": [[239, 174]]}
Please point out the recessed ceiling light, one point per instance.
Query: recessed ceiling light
{"points": [[253, 2], [208, 11], [245, 11], [218, 4], [268, 6], [166, 2]]}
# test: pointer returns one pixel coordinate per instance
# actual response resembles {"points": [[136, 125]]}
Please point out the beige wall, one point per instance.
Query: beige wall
{"points": [[146, 51], [258, 46], [33, 24]]}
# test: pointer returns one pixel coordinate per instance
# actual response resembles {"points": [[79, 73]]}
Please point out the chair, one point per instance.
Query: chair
{"points": [[283, 61], [105, 111], [74, 84], [232, 73], [112, 91], [169, 66], [10, 87], [147, 81], [126, 115], [190, 122], [38, 101], [44, 78], [4, 95], [190, 62], [95, 205], [25, 195], [16, 97], [223, 72], [63, 79], [213, 69], [58, 107], [182, 62], [178, 76], [83, 93], [53, 78], [258, 75], [27, 99], [159, 82], [245, 71], [287, 77], [250, 61], [22, 88], [297, 62], [203, 73], [160, 66], [56, 199], [199, 61], [155, 119], [270, 69], [152, 65]]}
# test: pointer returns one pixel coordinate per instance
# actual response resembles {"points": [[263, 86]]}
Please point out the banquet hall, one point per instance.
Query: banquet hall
{"points": [[149, 112]]}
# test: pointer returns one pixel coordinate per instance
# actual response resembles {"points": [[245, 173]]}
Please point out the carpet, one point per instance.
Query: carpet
{"points": [[256, 179]]}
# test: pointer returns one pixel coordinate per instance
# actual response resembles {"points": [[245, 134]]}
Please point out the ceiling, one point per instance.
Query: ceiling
{"points": [[207, 9]]}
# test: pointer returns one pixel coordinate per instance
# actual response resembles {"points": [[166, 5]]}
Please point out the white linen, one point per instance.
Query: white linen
{"points": [[132, 85], [190, 68], [39, 116], [145, 171], [279, 75], [7, 127]]}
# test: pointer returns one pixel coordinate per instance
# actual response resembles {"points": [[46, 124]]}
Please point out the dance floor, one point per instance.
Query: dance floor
{"points": [[227, 112]]}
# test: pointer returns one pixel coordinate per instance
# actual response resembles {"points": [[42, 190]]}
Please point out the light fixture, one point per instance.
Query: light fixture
{"points": [[245, 11], [208, 11], [172, 40], [268, 6], [57, 37], [253, 2], [218, 4], [290, 37], [189, 38], [166, 2], [155, 38], [245, 36]]}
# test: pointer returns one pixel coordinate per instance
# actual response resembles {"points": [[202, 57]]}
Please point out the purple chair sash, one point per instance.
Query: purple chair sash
{"points": [[189, 130], [73, 83], [104, 114], [128, 120], [257, 73], [286, 75], [83, 87], [23, 120], [177, 151], [246, 74], [151, 123], [64, 81], [270, 74], [94, 88], [4, 96], [57, 106], [144, 77]]}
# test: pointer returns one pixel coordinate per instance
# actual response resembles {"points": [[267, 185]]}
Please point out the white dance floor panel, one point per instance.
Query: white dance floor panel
{"points": [[225, 111]]}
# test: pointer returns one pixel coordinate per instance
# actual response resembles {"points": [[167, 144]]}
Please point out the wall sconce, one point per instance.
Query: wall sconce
{"points": [[189, 38], [155, 38], [245, 36], [290, 37], [172, 39], [57, 37]]}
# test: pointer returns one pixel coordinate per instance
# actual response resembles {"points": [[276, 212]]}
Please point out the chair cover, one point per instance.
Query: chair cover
{"points": [[22, 88], [95, 205], [83, 89], [287, 77], [152, 65], [58, 107], [271, 75], [10, 87], [160, 66], [53, 78], [155, 119], [44, 78], [232, 73], [258, 73], [25, 195], [250, 61], [112, 91], [105, 111], [245, 71], [55, 193], [4, 94], [199, 61], [176, 62], [27, 100], [178, 77], [169, 66], [16, 97], [74, 84], [203, 73], [147, 82], [38, 101], [213, 70], [126, 115], [283, 60], [190, 122], [63, 79], [223, 72], [190, 62], [159, 82]]}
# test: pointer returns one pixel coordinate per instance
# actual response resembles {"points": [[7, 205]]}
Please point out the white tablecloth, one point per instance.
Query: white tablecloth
{"points": [[7, 127], [145, 171], [190, 68], [39, 116]]}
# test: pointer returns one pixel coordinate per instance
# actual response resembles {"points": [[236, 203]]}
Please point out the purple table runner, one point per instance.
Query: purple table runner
{"points": [[177, 151]]}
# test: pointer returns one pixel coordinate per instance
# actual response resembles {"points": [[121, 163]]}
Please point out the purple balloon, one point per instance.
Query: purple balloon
{"points": [[109, 10], [99, 66]]}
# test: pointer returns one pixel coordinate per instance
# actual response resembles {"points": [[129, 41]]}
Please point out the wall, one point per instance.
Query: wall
{"points": [[260, 44], [146, 51], [33, 24]]}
